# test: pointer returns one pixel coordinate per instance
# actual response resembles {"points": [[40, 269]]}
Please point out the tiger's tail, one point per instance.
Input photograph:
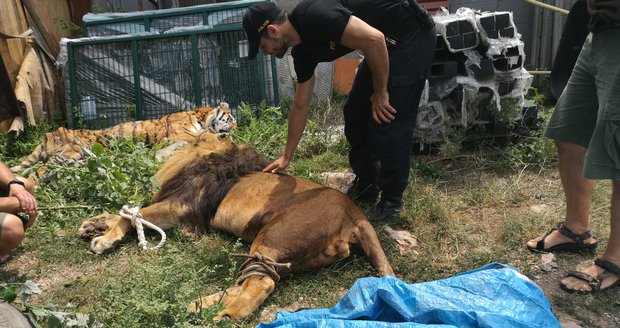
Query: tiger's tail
{"points": [[39, 153]]}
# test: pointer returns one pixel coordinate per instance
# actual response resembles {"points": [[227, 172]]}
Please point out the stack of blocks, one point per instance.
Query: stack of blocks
{"points": [[478, 66]]}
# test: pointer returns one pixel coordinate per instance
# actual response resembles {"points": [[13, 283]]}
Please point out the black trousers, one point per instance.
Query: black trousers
{"points": [[381, 153]]}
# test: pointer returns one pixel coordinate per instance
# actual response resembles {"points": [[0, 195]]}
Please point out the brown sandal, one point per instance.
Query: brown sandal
{"points": [[577, 245], [596, 282]]}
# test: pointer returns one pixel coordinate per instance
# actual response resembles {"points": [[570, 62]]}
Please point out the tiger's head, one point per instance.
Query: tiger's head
{"points": [[216, 120]]}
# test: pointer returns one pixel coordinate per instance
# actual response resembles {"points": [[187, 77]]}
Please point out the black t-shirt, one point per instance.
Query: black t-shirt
{"points": [[603, 10], [320, 24]]}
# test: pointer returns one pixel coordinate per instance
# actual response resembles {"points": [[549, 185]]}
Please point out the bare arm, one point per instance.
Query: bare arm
{"points": [[27, 202], [359, 35], [296, 125], [5, 175]]}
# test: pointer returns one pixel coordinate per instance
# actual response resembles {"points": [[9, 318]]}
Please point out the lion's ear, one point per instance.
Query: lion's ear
{"points": [[222, 136]]}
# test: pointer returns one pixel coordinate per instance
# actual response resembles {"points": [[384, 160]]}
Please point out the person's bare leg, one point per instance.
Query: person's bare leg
{"points": [[12, 234], [577, 192], [612, 252]]}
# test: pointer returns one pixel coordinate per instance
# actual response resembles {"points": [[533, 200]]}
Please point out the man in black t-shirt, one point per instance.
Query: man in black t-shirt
{"points": [[397, 38]]}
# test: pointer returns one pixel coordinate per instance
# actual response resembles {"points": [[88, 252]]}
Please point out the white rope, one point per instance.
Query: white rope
{"points": [[137, 221]]}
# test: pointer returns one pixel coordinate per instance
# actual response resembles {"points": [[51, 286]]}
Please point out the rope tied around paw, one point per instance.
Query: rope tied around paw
{"points": [[133, 214], [259, 265]]}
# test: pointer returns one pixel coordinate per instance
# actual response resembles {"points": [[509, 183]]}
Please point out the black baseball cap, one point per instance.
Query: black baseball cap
{"points": [[256, 20]]}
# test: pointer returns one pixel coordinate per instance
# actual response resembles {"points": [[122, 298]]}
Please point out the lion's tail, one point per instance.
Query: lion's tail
{"points": [[372, 247]]}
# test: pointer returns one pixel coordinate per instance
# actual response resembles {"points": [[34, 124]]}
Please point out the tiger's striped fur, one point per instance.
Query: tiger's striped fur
{"points": [[64, 144]]}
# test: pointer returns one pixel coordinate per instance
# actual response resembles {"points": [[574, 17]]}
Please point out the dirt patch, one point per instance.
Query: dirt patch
{"points": [[549, 282], [268, 314]]}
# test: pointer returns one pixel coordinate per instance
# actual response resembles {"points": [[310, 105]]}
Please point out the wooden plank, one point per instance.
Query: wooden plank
{"points": [[13, 23], [52, 19], [78, 10], [28, 87]]}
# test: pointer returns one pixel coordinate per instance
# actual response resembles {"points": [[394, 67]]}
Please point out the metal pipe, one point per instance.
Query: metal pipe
{"points": [[539, 72], [548, 6]]}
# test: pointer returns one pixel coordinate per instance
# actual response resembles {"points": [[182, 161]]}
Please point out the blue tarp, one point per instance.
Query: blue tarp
{"points": [[495, 295]]}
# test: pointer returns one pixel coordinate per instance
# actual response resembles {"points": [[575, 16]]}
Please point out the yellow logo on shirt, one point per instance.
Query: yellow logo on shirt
{"points": [[332, 45]]}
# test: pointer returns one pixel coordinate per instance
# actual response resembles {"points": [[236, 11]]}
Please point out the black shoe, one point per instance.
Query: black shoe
{"points": [[384, 210], [363, 192]]}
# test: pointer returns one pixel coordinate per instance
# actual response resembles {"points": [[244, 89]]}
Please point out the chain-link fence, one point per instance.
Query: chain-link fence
{"points": [[164, 20], [111, 80], [144, 65]]}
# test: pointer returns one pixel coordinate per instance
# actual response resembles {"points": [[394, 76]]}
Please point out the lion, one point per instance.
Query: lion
{"points": [[293, 224]]}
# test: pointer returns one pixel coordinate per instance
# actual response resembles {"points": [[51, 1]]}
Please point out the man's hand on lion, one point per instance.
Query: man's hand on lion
{"points": [[278, 165]]}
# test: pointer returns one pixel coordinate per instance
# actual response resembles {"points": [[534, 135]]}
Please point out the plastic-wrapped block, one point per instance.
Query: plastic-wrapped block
{"points": [[462, 40], [432, 123], [487, 23], [504, 88], [452, 29], [465, 26], [441, 50], [495, 25], [457, 95], [530, 114], [513, 85], [510, 61], [503, 20], [459, 30], [484, 69], [440, 45], [507, 64], [444, 69]]}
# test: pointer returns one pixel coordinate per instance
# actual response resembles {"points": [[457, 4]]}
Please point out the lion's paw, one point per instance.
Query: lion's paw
{"points": [[222, 317], [205, 302], [93, 227], [101, 244]]}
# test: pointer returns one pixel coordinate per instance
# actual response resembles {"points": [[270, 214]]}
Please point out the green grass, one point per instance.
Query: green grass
{"points": [[467, 206]]}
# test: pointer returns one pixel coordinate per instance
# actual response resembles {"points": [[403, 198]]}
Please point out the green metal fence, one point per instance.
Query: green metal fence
{"points": [[183, 3], [110, 80], [163, 20]]}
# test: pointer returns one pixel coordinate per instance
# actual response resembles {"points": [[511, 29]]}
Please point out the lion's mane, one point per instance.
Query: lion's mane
{"points": [[206, 180]]}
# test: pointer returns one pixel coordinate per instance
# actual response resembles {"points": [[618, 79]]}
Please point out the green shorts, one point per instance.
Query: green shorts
{"points": [[588, 112]]}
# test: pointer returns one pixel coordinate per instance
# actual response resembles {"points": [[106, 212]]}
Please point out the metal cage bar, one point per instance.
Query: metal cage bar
{"points": [[162, 20], [135, 77]]}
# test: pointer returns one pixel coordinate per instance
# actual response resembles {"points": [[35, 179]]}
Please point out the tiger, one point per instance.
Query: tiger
{"points": [[62, 144]]}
